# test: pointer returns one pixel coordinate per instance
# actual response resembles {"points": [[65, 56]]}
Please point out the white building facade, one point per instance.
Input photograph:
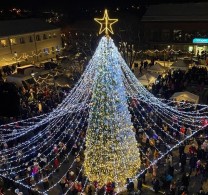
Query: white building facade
{"points": [[28, 41]]}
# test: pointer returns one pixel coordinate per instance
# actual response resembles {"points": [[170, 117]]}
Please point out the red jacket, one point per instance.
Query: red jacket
{"points": [[56, 163]]}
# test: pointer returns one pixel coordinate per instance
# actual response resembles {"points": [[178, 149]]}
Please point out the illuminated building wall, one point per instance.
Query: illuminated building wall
{"points": [[27, 41], [174, 26]]}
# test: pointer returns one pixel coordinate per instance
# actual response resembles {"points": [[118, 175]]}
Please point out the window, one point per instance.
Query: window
{"points": [[46, 51], [165, 35], [49, 36], [3, 43], [44, 36], [57, 48], [54, 35], [155, 36], [13, 41], [53, 49], [191, 48], [177, 35], [30, 39], [37, 37], [22, 40]]}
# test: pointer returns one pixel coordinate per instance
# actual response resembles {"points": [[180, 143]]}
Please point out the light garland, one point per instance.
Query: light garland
{"points": [[48, 139], [25, 56], [102, 100], [109, 136]]}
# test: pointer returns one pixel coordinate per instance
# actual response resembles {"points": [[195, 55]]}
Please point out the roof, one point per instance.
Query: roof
{"points": [[176, 12], [180, 64], [185, 96], [23, 26], [148, 78], [157, 68]]}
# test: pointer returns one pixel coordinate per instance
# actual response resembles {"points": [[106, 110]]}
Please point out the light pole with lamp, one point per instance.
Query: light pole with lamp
{"points": [[15, 55], [55, 85], [164, 56], [168, 60]]}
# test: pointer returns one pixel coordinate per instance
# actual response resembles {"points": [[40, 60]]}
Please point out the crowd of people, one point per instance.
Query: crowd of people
{"points": [[34, 100], [7, 70], [179, 167], [179, 80], [47, 160], [174, 179]]}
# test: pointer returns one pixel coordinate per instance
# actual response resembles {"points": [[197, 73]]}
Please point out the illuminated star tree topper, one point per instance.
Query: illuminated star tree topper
{"points": [[106, 23]]}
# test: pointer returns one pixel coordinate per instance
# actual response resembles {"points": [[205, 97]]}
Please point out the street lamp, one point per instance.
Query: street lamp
{"points": [[54, 84], [15, 55], [164, 53]]}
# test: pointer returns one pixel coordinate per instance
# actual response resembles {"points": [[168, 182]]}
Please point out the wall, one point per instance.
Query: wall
{"points": [[28, 52], [158, 35]]}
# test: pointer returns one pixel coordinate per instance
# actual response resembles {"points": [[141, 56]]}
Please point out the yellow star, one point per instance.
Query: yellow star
{"points": [[106, 23]]}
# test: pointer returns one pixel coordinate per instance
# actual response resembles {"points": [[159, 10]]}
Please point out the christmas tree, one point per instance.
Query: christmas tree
{"points": [[111, 153], [98, 103]]}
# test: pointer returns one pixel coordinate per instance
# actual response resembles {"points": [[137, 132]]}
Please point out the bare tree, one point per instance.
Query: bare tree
{"points": [[129, 41], [82, 44]]}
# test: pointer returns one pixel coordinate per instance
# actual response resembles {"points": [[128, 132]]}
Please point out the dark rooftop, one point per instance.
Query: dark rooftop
{"points": [[23, 26], [177, 12]]}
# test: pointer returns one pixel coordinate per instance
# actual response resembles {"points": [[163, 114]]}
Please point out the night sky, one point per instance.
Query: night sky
{"points": [[77, 4], [74, 10]]}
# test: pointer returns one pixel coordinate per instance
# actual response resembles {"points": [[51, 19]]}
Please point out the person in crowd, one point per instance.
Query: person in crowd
{"points": [[185, 180], [172, 188], [181, 149], [192, 163], [139, 184], [192, 150], [183, 161], [156, 185], [130, 185]]}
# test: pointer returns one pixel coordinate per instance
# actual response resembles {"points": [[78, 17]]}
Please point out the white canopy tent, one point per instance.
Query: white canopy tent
{"points": [[180, 64], [185, 96], [148, 78], [157, 68]]}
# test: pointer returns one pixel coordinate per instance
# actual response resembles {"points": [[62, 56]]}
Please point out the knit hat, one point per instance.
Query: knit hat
{"points": [[71, 173], [16, 191]]}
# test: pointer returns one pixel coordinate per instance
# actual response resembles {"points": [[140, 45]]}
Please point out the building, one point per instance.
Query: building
{"points": [[28, 40], [176, 26]]}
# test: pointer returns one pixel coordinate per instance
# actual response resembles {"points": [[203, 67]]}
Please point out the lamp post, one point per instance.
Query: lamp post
{"points": [[15, 55], [55, 86], [164, 56]]}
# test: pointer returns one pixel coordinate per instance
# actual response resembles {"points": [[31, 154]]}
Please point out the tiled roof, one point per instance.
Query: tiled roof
{"points": [[177, 12], [23, 26]]}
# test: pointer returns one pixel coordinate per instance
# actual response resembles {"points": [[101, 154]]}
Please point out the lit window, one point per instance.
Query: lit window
{"points": [[53, 49], [177, 35], [46, 51], [13, 41], [49, 36], [191, 48], [3, 43]]}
